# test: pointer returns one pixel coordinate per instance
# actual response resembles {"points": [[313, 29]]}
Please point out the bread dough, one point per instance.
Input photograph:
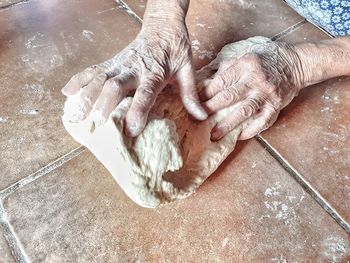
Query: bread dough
{"points": [[173, 155]]}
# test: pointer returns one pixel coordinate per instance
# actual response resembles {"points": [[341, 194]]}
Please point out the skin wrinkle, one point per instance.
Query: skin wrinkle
{"points": [[266, 72], [277, 70]]}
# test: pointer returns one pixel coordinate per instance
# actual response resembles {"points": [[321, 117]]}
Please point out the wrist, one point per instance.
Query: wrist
{"points": [[162, 13], [312, 68], [293, 67], [324, 60]]}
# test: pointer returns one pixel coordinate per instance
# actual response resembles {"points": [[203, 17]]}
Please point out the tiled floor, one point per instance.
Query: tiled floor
{"points": [[251, 210], [8, 3], [67, 215], [41, 47], [313, 132], [228, 22], [5, 251]]}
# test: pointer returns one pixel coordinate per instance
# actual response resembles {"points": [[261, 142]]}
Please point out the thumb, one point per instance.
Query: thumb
{"points": [[188, 92]]}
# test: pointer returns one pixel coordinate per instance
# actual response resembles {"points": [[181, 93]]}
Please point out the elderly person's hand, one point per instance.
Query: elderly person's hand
{"points": [[160, 53], [266, 79]]}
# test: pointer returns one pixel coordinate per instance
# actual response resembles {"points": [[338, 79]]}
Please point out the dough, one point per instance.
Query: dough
{"points": [[173, 155]]}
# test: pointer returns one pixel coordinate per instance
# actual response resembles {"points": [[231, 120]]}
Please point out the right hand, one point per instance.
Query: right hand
{"points": [[159, 54]]}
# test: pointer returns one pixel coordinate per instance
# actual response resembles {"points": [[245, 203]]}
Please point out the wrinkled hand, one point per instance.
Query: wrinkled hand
{"points": [[263, 81], [152, 60]]}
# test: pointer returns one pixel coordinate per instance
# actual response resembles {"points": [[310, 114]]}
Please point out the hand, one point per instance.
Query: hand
{"points": [[159, 54], [263, 81]]}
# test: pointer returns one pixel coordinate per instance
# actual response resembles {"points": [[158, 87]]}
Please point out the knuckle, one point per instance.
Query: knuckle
{"points": [[227, 96], [100, 78], [270, 88], [249, 109], [222, 81], [112, 85], [245, 111], [250, 60], [148, 85], [226, 127], [254, 104], [275, 102], [92, 70], [146, 92]]}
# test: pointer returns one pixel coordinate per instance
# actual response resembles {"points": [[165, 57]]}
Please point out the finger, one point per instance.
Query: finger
{"points": [[188, 92], [225, 98], [202, 86], [246, 110], [142, 103], [226, 64], [80, 80], [263, 120], [221, 81], [113, 92], [90, 93]]}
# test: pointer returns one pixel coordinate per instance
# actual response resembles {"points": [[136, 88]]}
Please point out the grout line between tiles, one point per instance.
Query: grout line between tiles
{"points": [[14, 244], [13, 4], [288, 30], [127, 9], [305, 184], [41, 172]]}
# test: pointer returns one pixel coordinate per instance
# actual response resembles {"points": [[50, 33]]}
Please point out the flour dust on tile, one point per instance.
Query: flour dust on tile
{"points": [[202, 54], [280, 207], [87, 35], [41, 55], [336, 249]]}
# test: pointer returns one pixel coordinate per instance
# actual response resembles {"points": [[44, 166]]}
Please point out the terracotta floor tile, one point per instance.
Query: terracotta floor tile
{"points": [[251, 210], [313, 133], [212, 23], [5, 3], [5, 253], [43, 43], [305, 33], [137, 6]]}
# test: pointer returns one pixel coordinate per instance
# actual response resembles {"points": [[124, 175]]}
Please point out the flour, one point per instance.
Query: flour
{"points": [[172, 156]]}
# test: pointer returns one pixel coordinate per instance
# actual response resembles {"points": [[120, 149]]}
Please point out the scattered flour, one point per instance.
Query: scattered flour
{"points": [[3, 119], [41, 54], [254, 165], [34, 41], [335, 248], [279, 259], [271, 191], [27, 111], [87, 35], [202, 54], [224, 242], [280, 207]]}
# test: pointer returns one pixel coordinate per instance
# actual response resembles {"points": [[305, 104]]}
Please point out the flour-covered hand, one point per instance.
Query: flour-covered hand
{"points": [[263, 81], [160, 53]]}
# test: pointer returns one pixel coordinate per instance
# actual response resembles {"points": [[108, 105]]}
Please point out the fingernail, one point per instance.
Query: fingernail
{"points": [[216, 135], [196, 110], [132, 128], [201, 114], [64, 91]]}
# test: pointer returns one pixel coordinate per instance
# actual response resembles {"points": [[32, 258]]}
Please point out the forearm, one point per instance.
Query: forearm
{"points": [[167, 11], [324, 60]]}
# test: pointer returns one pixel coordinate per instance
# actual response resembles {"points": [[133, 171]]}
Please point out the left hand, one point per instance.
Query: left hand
{"points": [[264, 81]]}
